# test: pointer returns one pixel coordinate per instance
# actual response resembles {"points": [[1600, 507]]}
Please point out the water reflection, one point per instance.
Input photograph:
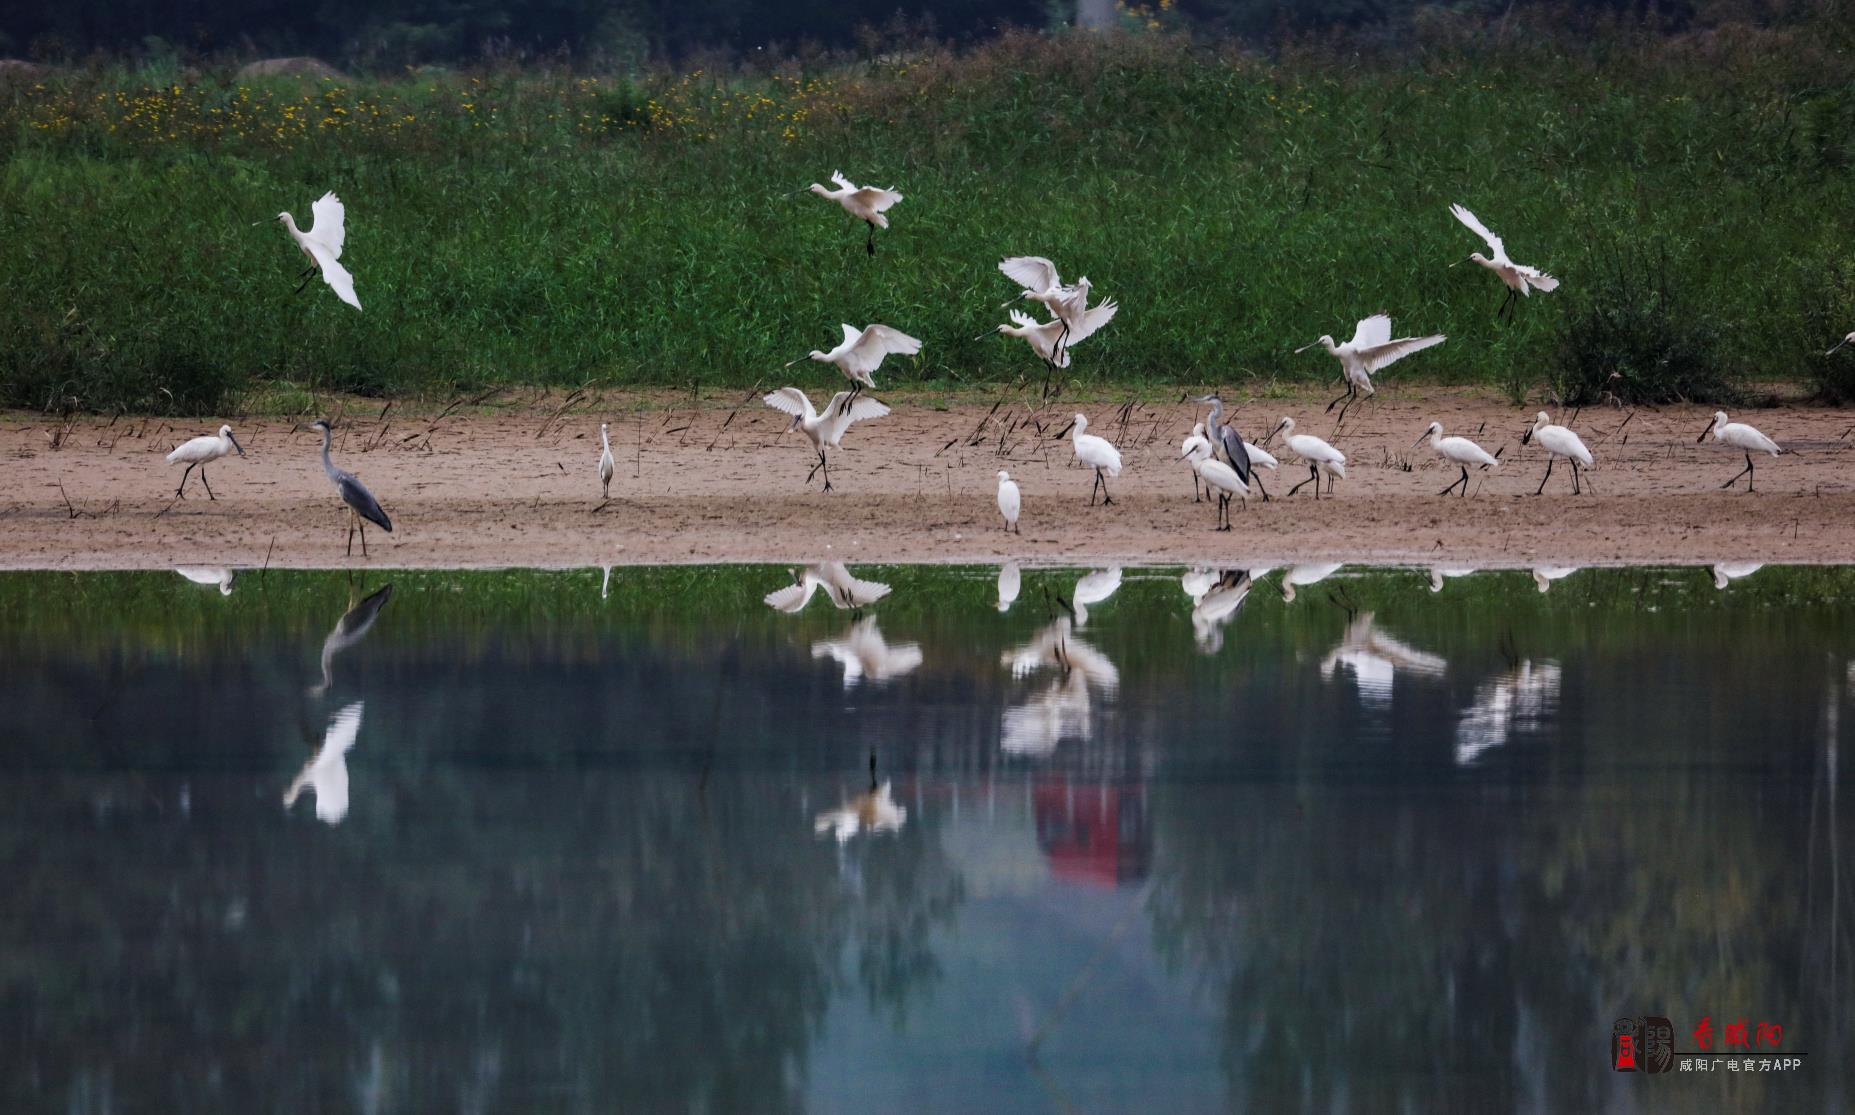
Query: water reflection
{"points": [[209, 575], [1093, 588], [326, 772], [1008, 578], [1374, 658], [840, 587], [1522, 700], [349, 630], [1035, 726], [1544, 575], [1439, 573], [1727, 572], [1300, 576], [865, 655], [1217, 605], [873, 812]]}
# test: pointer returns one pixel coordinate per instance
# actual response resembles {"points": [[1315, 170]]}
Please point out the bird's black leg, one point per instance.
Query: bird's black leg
{"points": [[1575, 488], [1257, 480], [826, 466], [351, 521], [1106, 499], [358, 521], [1314, 475], [1096, 488], [1350, 389], [1452, 484], [871, 243], [1062, 338], [306, 277], [1225, 508], [181, 492], [1746, 471], [209, 487], [1543, 479]]}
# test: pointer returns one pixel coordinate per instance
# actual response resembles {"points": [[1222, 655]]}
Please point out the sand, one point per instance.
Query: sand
{"points": [[705, 481]]}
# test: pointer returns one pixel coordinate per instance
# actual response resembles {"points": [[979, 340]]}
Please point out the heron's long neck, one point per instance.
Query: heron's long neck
{"points": [[327, 465]]}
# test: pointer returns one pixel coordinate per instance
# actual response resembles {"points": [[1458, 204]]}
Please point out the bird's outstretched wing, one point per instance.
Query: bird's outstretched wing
{"points": [[840, 418], [1378, 356], [1536, 278], [842, 182], [1475, 226], [328, 223], [848, 591], [1025, 321], [1030, 272], [334, 274], [1095, 318], [791, 400], [879, 341], [1375, 330], [877, 199], [794, 596]]}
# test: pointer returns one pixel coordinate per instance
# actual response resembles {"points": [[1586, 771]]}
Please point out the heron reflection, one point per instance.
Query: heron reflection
{"points": [[1522, 699], [350, 629], [1217, 604], [840, 587], [1375, 657], [866, 656], [209, 575], [326, 773]]}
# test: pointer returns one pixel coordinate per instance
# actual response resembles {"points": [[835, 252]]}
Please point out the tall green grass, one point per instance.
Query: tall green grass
{"points": [[544, 228]]}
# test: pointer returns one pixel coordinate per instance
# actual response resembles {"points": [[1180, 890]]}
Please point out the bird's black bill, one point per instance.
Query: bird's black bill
{"points": [[236, 445], [1704, 433]]}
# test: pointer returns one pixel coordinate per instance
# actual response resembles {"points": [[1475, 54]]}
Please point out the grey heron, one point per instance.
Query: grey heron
{"points": [[360, 501], [1224, 436]]}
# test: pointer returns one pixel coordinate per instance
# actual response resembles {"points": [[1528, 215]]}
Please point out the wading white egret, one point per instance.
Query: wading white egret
{"points": [[1371, 349], [826, 430], [861, 352], [1221, 600], [1009, 501], [1375, 658], [1848, 340], [1736, 434], [874, 811], [1520, 700], [1096, 453], [1216, 474], [326, 773], [360, 501], [201, 451], [1009, 579], [1315, 453], [865, 203], [1559, 442], [840, 587], [1516, 276], [605, 463], [1459, 451], [322, 242]]}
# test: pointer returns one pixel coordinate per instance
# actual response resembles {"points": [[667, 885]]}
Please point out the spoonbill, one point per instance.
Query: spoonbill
{"points": [[1520, 700], [1217, 474], [1439, 572], [844, 590], [1726, 572], [1544, 575], [1375, 657], [327, 770], [201, 451], [866, 655], [1848, 340], [1192, 450], [1067, 304], [605, 463], [322, 242], [1048, 339], [826, 430], [1371, 349], [209, 575], [1009, 579], [1315, 453], [865, 203], [1736, 434], [1296, 576], [1096, 453], [1008, 500], [1516, 276], [1223, 435], [1559, 442], [360, 501], [861, 352], [1458, 451]]}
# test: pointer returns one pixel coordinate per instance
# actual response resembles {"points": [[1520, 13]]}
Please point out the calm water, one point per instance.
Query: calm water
{"points": [[553, 848]]}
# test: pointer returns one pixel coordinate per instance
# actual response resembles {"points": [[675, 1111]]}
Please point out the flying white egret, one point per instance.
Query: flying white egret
{"points": [[1192, 450], [1067, 304], [1848, 340], [1217, 474], [840, 587], [1296, 576], [1736, 434], [326, 773], [866, 656], [1098, 454], [826, 430], [360, 501], [201, 451], [1048, 339], [861, 352], [1726, 572], [209, 575], [1559, 442], [605, 463], [865, 203], [322, 242], [1009, 579], [1544, 575], [1517, 277], [1315, 453], [1008, 500], [1371, 349], [1458, 451], [1093, 588]]}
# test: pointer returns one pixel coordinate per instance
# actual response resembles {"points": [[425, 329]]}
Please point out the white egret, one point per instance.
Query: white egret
{"points": [[1559, 442], [326, 773], [865, 203], [1192, 450], [1458, 451], [1009, 500], [825, 430], [1056, 647], [1736, 434], [360, 501], [322, 242], [1315, 453], [1098, 454], [1093, 588], [1726, 572], [1067, 304], [209, 575], [1009, 579], [605, 463], [1217, 474], [844, 590], [866, 655], [1848, 340], [1544, 575], [1296, 576], [1371, 349], [201, 451], [861, 352], [1517, 277]]}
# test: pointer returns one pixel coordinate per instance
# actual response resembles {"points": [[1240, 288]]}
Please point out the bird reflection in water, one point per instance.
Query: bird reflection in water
{"points": [[872, 812], [1300, 576], [866, 656], [350, 629], [1009, 577], [1374, 659], [1216, 598], [326, 773], [1439, 573], [843, 590], [1522, 699], [1093, 588], [1544, 575], [209, 575], [1061, 710], [1726, 572]]}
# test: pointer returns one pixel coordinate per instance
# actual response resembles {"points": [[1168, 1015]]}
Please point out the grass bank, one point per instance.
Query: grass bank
{"points": [[1693, 194]]}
